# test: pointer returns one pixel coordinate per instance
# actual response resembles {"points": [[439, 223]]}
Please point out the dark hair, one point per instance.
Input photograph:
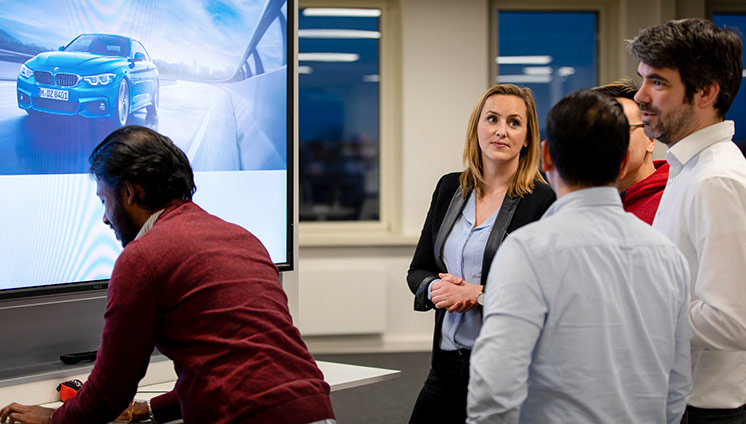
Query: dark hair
{"points": [[699, 50], [587, 137], [624, 88], [142, 156]]}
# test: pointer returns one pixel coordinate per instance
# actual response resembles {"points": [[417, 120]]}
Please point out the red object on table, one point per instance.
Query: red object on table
{"points": [[69, 389]]}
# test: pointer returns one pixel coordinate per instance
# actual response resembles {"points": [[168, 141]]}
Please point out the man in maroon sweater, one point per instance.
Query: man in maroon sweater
{"points": [[642, 183], [203, 291]]}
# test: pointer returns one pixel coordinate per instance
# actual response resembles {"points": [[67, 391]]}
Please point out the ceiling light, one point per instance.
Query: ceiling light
{"points": [[566, 71], [538, 70], [337, 33], [524, 60], [524, 79], [327, 11], [328, 57]]}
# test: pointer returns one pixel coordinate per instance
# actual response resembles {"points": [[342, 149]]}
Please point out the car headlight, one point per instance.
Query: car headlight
{"points": [[26, 72], [100, 79]]}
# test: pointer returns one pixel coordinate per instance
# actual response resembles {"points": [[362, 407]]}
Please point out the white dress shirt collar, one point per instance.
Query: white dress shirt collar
{"points": [[688, 147], [586, 197]]}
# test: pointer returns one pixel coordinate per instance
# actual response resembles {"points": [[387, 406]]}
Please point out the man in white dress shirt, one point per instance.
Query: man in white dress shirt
{"points": [[691, 71], [586, 311]]}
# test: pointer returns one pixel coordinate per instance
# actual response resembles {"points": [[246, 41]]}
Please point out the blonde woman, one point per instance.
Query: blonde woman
{"points": [[471, 212]]}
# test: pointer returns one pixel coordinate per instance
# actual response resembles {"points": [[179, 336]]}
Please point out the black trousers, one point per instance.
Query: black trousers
{"points": [[443, 396], [694, 415]]}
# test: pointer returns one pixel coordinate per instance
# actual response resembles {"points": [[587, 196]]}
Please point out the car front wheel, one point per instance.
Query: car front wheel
{"points": [[123, 103]]}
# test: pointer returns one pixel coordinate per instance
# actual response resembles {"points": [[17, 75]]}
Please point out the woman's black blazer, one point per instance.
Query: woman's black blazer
{"points": [[426, 263]]}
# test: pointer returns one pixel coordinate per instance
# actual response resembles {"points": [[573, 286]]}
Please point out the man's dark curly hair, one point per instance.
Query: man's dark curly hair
{"points": [[699, 50], [142, 156]]}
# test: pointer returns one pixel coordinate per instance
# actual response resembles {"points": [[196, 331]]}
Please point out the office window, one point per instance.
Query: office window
{"points": [[552, 53], [338, 114], [737, 111]]}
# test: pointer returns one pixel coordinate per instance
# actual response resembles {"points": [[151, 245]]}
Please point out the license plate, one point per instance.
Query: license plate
{"points": [[51, 93]]}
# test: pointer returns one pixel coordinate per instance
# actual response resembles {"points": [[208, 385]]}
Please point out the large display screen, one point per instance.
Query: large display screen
{"points": [[211, 75]]}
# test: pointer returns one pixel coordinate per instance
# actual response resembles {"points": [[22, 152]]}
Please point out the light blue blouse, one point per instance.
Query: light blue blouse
{"points": [[463, 254]]}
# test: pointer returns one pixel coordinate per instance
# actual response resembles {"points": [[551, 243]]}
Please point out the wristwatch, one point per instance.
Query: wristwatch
{"points": [[480, 298]]}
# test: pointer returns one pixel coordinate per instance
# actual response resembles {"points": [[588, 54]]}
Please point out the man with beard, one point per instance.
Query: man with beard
{"points": [[203, 291], [691, 71]]}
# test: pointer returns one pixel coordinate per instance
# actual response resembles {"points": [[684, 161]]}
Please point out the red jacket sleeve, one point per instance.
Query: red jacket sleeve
{"points": [[126, 345], [166, 407]]}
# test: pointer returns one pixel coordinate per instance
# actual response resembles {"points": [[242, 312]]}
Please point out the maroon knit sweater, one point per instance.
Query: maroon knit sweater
{"points": [[206, 293], [643, 198]]}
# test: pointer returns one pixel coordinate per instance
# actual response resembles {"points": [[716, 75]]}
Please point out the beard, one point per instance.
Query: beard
{"points": [[123, 225], [669, 127]]}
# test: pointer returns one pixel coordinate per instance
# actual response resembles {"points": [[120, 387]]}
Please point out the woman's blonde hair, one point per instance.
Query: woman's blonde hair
{"points": [[528, 162]]}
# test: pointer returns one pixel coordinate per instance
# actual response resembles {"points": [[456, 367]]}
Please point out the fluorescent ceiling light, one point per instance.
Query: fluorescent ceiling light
{"points": [[523, 79], [307, 70], [524, 60], [328, 57], [371, 78], [538, 70], [337, 33], [566, 71], [328, 11]]}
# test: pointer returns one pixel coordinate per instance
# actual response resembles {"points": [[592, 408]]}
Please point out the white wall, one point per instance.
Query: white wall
{"points": [[356, 298], [445, 65]]}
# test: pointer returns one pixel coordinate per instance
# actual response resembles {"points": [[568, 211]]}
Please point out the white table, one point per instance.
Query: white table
{"points": [[339, 376], [345, 376], [160, 378]]}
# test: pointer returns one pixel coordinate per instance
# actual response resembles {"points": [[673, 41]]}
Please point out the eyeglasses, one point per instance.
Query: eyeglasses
{"points": [[632, 127]]}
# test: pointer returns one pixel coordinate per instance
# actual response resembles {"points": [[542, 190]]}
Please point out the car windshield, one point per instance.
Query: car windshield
{"points": [[106, 45]]}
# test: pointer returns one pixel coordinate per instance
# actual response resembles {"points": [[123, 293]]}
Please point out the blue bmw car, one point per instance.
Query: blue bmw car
{"points": [[94, 76]]}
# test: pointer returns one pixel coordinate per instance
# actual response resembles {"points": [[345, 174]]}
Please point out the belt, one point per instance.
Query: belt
{"points": [[710, 412], [460, 354]]}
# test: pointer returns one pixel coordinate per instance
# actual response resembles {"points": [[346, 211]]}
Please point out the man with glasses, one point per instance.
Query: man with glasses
{"points": [[643, 180]]}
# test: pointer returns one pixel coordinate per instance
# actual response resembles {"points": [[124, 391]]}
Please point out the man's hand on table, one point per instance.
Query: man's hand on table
{"points": [[17, 413]]}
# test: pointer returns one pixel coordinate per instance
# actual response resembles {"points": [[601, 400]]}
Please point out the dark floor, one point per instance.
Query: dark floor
{"points": [[387, 402]]}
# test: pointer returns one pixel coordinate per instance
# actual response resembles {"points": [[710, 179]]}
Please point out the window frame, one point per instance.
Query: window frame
{"points": [[387, 229], [724, 6], [609, 43]]}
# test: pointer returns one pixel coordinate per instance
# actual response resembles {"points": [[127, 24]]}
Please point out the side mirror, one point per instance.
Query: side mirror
{"points": [[139, 56], [61, 48]]}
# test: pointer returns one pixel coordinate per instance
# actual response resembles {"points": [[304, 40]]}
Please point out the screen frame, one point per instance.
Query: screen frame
{"points": [[291, 37], [99, 286]]}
